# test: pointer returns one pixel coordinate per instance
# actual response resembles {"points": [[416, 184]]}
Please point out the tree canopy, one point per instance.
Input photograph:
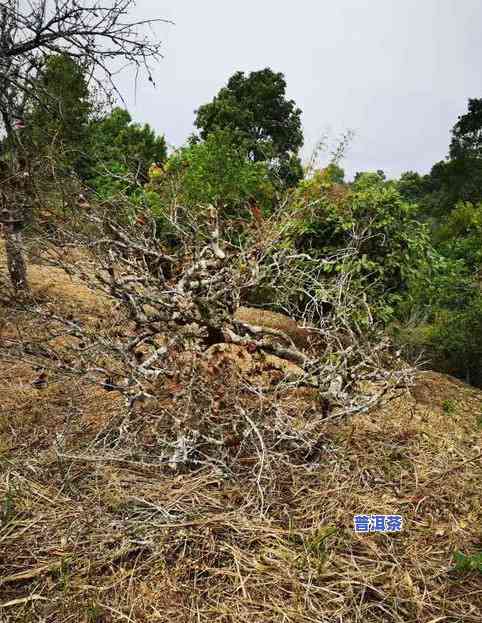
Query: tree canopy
{"points": [[59, 111], [459, 176], [120, 146], [467, 132], [256, 110], [215, 172]]}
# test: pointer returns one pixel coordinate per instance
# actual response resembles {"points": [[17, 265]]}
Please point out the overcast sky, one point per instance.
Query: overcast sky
{"points": [[396, 72]]}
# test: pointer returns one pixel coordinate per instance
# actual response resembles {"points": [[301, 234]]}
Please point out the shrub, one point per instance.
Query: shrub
{"points": [[215, 171], [456, 339], [460, 236], [120, 153], [446, 319], [387, 246], [468, 562]]}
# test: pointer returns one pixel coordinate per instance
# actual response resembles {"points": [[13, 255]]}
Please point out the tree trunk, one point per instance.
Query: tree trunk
{"points": [[15, 260], [14, 197]]}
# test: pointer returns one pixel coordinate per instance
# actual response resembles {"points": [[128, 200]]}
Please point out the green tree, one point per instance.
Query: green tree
{"points": [[445, 301], [371, 217], [449, 331], [460, 236], [121, 152], [467, 133], [452, 181], [60, 109], [459, 178], [254, 108], [412, 186], [369, 178], [215, 171]]}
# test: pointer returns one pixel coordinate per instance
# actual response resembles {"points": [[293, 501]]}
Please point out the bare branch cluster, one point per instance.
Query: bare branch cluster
{"points": [[94, 33], [173, 306]]}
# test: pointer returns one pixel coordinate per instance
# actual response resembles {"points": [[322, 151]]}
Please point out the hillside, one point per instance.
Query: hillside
{"points": [[96, 527], [230, 369]]}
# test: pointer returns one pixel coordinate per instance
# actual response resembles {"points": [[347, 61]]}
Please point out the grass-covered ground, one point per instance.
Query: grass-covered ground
{"points": [[94, 528]]}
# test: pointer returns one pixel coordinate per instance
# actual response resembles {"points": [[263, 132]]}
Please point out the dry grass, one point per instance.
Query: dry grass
{"points": [[257, 526]]}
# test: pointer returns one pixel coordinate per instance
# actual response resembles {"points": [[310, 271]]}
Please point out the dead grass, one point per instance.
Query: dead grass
{"points": [[97, 527], [61, 293]]}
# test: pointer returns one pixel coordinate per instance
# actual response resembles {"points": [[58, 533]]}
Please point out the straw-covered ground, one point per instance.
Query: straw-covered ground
{"points": [[97, 527]]}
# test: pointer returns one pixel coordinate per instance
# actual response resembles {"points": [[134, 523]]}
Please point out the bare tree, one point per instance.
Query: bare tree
{"points": [[177, 302], [95, 33]]}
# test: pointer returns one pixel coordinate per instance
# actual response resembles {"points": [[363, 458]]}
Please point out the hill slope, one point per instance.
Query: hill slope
{"points": [[95, 527]]}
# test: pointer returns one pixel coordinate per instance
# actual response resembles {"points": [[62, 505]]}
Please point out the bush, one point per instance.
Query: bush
{"points": [[443, 318], [120, 154], [217, 172], [460, 236], [387, 246], [456, 340]]}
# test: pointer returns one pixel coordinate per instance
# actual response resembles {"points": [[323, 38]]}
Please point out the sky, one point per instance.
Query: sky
{"points": [[397, 73]]}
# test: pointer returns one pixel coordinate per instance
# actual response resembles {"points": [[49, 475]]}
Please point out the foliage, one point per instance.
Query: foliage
{"points": [[460, 236], [215, 171], [390, 246], [452, 181], [321, 180], [412, 186], [446, 306], [445, 299], [459, 178], [121, 153], [456, 339], [369, 177], [334, 173], [255, 110], [468, 562], [467, 132], [60, 109]]}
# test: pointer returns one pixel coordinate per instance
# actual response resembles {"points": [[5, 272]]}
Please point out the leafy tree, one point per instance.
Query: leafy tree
{"points": [[443, 322], [390, 245], [215, 171], [459, 178], [89, 32], [369, 178], [460, 236], [121, 152], [59, 114], [335, 173], [412, 186], [453, 338], [452, 181], [325, 177], [467, 133], [254, 108]]}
